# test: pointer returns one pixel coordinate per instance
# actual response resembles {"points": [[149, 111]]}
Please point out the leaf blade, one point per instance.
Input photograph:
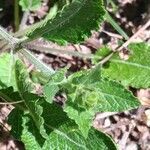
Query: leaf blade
{"points": [[63, 133], [87, 92], [132, 72], [69, 21], [30, 5], [31, 101]]}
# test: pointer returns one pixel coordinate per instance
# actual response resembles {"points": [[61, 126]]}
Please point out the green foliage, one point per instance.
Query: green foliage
{"points": [[51, 88], [30, 5], [63, 133], [40, 122], [87, 93], [100, 54], [73, 24], [134, 71], [5, 76]]}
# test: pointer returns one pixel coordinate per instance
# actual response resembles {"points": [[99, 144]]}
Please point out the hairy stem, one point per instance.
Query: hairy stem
{"points": [[54, 51], [38, 63], [9, 38]]}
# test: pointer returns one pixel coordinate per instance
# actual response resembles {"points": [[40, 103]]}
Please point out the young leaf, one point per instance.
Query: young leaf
{"points": [[73, 23], [63, 133], [39, 77], [30, 5], [5, 71], [52, 87], [23, 81], [8, 73], [132, 72], [87, 93]]}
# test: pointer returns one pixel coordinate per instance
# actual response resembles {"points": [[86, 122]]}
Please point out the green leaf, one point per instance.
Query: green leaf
{"points": [[73, 23], [15, 120], [39, 77], [8, 95], [132, 72], [31, 100], [68, 136], [32, 103], [23, 81], [10, 73], [30, 5], [87, 93], [20, 129], [52, 87], [23, 85], [6, 74], [63, 133], [114, 97], [82, 118], [100, 54]]}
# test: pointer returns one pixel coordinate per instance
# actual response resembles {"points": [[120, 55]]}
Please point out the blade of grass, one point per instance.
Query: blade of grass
{"points": [[116, 26]]}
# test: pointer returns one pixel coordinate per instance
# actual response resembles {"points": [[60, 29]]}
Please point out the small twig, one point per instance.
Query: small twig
{"points": [[125, 44], [2, 124], [105, 114], [115, 126], [11, 103], [113, 34], [103, 61], [142, 29], [123, 141]]}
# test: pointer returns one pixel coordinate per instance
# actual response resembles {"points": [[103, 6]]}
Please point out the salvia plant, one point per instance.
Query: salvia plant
{"points": [[37, 120]]}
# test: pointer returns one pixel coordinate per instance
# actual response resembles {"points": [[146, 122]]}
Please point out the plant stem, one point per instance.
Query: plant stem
{"points": [[142, 29], [38, 63], [124, 45], [16, 15], [24, 20], [107, 58], [9, 38], [54, 51], [11, 103]]}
